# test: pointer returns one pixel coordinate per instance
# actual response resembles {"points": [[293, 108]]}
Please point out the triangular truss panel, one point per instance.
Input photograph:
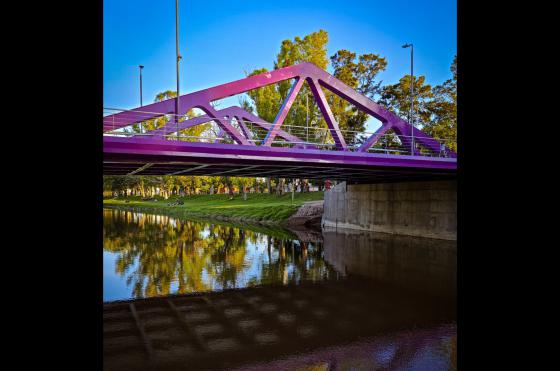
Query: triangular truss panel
{"points": [[315, 77]]}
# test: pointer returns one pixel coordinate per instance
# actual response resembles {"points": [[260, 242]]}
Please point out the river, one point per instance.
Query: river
{"points": [[371, 301]]}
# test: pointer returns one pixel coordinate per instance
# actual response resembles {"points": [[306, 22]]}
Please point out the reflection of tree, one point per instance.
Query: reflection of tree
{"points": [[296, 261], [228, 260], [157, 251]]}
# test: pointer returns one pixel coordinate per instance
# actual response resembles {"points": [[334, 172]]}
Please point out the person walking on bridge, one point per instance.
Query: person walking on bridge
{"points": [[442, 151]]}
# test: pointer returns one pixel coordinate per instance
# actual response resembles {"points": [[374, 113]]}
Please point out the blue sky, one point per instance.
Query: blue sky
{"points": [[222, 39]]}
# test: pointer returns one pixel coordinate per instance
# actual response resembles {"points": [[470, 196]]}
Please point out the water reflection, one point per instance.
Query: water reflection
{"points": [[422, 264], [158, 255], [418, 349], [347, 324], [329, 300]]}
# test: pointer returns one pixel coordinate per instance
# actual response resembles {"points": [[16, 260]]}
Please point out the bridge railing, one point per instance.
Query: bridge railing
{"points": [[205, 129]]}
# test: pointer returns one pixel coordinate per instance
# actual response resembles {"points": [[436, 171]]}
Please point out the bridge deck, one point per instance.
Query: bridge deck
{"points": [[142, 156]]}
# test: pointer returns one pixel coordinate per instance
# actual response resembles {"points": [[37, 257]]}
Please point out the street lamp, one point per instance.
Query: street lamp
{"points": [[178, 56], [411, 119], [306, 117], [141, 68]]}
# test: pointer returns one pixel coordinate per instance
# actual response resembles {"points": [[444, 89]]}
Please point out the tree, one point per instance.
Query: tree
{"points": [[268, 99], [160, 121], [360, 75], [305, 119], [443, 124], [396, 98], [227, 181], [435, 109]]}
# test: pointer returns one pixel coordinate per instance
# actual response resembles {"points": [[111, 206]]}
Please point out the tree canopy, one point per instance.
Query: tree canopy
{"points": [[435, 108]]}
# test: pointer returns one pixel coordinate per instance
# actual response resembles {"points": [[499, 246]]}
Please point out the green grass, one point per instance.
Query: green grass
{"points": [[260, 207]]}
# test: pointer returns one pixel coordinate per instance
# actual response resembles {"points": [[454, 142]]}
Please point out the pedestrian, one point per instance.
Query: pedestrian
{"points": [[442, 152]]}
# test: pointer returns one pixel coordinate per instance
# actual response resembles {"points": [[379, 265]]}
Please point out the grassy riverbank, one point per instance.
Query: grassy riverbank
{"points": [[259, 207]]}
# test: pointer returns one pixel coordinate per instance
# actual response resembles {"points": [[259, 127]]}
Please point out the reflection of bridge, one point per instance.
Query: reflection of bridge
{"points": [[260, 148], [242, 327]]}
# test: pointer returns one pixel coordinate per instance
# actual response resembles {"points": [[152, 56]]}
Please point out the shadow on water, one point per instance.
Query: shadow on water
{"points": [[212, 296]]}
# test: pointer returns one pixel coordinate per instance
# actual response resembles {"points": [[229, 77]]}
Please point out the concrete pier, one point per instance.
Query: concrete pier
{"points": [[423, 209]]}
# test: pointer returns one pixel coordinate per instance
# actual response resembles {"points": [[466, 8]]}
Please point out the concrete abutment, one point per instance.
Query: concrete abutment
{"points": [[423, 209]]}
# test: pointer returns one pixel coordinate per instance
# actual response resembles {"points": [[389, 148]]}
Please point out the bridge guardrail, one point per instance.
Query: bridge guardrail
{"points": [[205, 129]]}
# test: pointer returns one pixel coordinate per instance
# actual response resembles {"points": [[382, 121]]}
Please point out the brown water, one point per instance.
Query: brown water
{"points": [[314, 300]]}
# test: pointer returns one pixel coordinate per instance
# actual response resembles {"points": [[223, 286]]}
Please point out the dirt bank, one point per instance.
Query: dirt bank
{"points": [[309, 215]]}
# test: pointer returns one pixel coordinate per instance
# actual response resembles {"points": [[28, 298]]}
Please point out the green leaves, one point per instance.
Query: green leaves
{"points": [[435, 109], [312, 48], [359, 74], [396, 98], [268, 100]]}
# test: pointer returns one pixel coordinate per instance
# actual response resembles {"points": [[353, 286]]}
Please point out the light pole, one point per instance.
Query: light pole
{"points": [[178, 55], [141, 68], [411, 119], [306, 118]]}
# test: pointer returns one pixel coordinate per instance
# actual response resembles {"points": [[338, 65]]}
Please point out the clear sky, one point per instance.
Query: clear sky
{"points": [[219, 40]]}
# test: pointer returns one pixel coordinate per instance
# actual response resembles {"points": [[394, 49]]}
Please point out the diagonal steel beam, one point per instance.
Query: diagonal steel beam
{"points": [[189, 170], [234, 111], [327, 113], [262, 123], [375, 137], [248, 134], [234, 170], [381, 113], [267, 141], [221, 134], [203, 97], [140, 169], [233, 133], [170, 127]]}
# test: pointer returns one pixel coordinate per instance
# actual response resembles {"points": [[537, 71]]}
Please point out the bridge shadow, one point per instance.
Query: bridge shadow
{"points": [[393, 307], [239, 328]]}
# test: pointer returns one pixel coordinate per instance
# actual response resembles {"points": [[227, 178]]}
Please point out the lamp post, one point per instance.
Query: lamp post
{"points": [[306, 118], [411, 119], [178, 56], [141, 67]]}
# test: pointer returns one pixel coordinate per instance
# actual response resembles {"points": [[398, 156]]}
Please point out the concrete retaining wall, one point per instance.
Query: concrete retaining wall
{"points": [[424, 209]]}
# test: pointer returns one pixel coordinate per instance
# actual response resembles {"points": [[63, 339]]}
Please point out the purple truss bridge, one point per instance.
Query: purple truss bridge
{"points": [[243, 144]]}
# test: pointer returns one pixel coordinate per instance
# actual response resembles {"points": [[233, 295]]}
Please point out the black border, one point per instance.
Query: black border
{"points": [[57, 69], [53, 263]]}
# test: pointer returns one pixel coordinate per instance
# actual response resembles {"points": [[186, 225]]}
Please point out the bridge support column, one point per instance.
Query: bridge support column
{"points": [[423, 209]]}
